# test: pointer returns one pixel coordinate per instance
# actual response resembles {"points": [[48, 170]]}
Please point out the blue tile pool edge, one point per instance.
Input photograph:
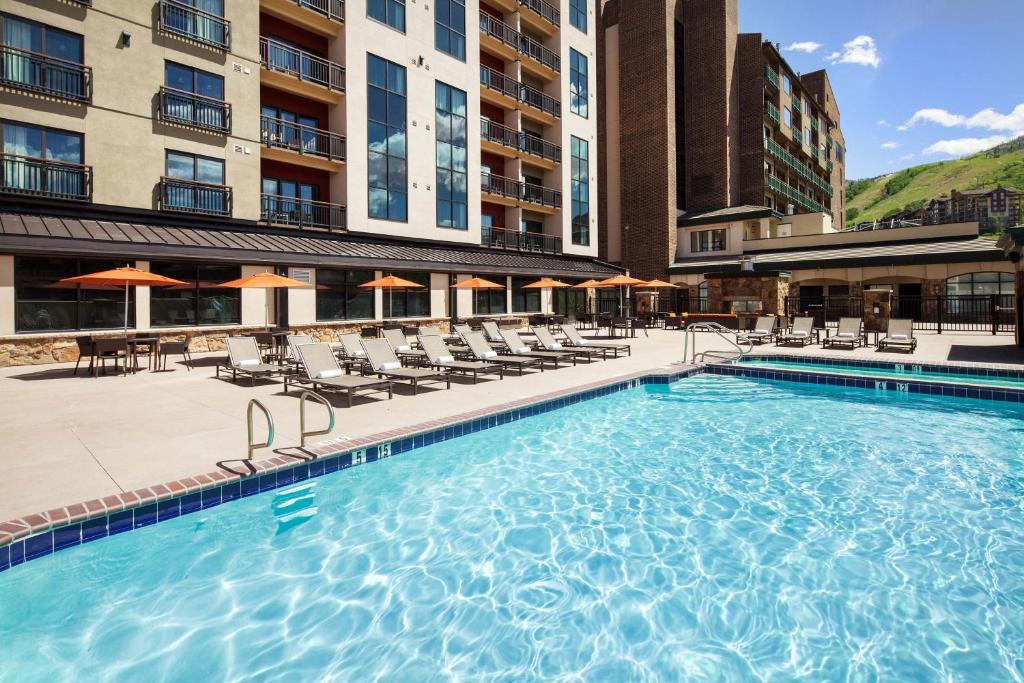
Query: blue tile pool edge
{"points": [[939, 367], [67, 536]]}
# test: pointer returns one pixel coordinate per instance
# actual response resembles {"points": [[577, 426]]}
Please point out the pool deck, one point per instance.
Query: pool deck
{"points": [[72, 439]]}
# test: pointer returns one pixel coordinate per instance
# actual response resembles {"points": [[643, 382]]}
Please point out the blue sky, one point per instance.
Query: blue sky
{"points": [[916, 80]]}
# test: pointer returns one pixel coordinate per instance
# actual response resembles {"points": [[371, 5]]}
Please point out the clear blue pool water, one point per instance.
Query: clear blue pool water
{"points": [[890, 372], [719, 529]]}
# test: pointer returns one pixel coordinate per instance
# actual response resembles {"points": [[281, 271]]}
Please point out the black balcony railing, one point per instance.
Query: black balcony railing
{"points": [[332, 9], [545, 196], [495, 80], [45, 178], [191, 196], [499, 134], [499, 30], [538, 100], [303, 65], [524, 192], [195, 24], [545, 10], [26, 70], [520, 141], [302, 139], [534, 50], [189, 109], [531, 144], [513, 240], [301, 213]]}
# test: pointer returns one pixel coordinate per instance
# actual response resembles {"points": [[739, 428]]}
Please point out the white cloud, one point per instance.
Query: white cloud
{"points": [[963, 146], [989, 119], [890, 145], [807, 46], [861, 50], [884, 123]]}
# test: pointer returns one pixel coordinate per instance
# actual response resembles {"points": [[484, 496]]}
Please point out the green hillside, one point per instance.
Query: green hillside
{"points": [[912, 187]]}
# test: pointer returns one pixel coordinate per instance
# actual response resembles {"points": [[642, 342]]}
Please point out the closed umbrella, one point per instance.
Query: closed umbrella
{"points": [[125, 276], [263, 281], [391, 283]]}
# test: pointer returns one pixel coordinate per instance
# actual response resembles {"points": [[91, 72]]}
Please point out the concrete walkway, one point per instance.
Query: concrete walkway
{"points": [[67, 439]]}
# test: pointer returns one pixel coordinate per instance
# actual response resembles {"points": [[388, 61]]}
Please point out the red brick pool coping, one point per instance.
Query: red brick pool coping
{"points": [[28, 525]]}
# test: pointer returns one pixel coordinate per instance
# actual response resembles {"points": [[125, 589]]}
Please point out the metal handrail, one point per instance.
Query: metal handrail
{"points": [[39, 72], [721, 331], [306, 66], [296, 137], [307, 394], [197, 110], [253, 403]]}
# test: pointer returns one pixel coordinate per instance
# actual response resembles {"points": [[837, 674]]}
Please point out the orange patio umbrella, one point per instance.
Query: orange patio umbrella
{"points": [[477, 283], [391, 283], [620, 281], [657, 284], [589, 284], [546, 283], [124, 276], [265, 280]]}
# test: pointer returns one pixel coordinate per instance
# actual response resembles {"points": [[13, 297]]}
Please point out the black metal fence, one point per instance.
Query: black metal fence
{"points": [[826, 310], [969, 313]]}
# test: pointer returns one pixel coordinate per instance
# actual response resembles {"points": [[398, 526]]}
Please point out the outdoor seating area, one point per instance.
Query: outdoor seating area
{"points": [[850, 333]]}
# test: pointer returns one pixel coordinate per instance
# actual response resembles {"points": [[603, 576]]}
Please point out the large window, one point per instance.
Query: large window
{"points": [[452, 192], [199, 301], [32, 42], [193, 168], [450, 27], [580, 191], [386, 163], [24, 145], [568, 300], [577, 83], [277, 127], [707, 240], [980, 284], [524, 300], [180, 106], [578, 14], [787, 117], [409, 303], [489, 301], [339, 296], [390, 12], [42, 304]]}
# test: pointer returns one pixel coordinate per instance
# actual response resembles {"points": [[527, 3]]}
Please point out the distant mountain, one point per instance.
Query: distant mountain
{"points": [[911, 188]]}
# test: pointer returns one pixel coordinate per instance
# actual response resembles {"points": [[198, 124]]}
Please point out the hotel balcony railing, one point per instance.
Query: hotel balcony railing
{"points": [[514, 240], [545, 196], [524, 192], [538, 100], [794, 194], [534, 50], [302, 139], [301, 213], [521, 141], [772, 112], [524, 44], [332, 9], [794, 164], [301, 64], [192, 196], [519, 91], [45, 178], [499, 30], [771, 77], [195, 24], [545, 10], [189, 109], [498, 81], [33, 71]]}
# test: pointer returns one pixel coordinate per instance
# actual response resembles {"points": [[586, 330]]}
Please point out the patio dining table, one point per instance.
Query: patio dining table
{"points": [[152, 345]]}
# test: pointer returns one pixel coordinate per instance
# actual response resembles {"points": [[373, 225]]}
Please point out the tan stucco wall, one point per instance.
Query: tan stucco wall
{"points": [[302, 300], [439, 292], [6, 294], [257, 304]]}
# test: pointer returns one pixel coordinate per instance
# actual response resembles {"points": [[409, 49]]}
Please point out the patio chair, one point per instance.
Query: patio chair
{"points": [[481, 350], [576, 340], [440, 356], [492, 332], [320, 371], [850, 334], [384, 363], [899, 335], [244, 358], [181, 348], [400, 345], [549, 343], [764, 330], [454, 341], [294, 341], [115, 348], [517, 347], [801, 333], [462, 329], [86, 347]]}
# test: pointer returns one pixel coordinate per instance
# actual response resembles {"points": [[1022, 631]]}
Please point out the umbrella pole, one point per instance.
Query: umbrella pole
{"points": [[126, 310]]}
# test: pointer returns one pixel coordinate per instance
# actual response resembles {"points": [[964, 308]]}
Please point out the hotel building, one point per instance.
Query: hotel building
{"points": [[210, 139]]}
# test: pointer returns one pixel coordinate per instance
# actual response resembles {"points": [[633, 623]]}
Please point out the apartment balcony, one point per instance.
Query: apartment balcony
{"points": [[45, 75], [514, 240], [194, 24], [796, 106], [794, 164], [34, 177], [293, 143], [509, 93], [302, 73], [301, 213], [540, 16], [194, 197], [772, 77], [501, 190], [514, 144], [793, 194], [501, 39], [772, 112], [194, 111], [325, 17]]}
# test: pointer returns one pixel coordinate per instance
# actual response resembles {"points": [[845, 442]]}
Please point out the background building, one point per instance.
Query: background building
{"points": [[206, 139]]}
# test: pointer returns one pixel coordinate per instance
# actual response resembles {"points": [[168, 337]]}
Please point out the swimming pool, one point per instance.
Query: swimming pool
{"points": [[719, 528]]}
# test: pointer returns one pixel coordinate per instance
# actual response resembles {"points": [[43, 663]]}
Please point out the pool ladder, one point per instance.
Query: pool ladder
{"points": [[735, 354], [303, 433]]}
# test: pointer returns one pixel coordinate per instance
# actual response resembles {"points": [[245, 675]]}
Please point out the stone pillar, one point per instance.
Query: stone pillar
{"points": [[882, 301]]}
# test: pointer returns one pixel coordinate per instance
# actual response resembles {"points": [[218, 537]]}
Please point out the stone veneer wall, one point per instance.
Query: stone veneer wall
{"points": [[41, 349], [770, 290]]}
